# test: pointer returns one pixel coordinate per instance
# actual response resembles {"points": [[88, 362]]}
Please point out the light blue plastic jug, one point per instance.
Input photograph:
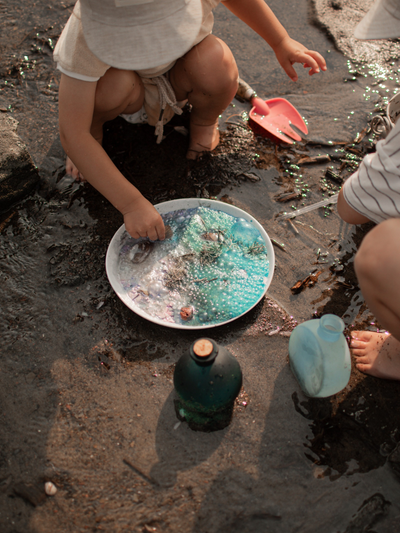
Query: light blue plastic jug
{"points": [[319, 356]]}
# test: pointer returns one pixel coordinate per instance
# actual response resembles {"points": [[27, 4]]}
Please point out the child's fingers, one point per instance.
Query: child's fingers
{"points": [[288, 68], [161, 231], [157, 232], [133, 234], [307, 59], [152, 234], [317, 58]]}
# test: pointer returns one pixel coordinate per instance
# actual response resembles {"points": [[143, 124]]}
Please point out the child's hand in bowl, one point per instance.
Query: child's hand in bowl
{"points": [[143, 220]]}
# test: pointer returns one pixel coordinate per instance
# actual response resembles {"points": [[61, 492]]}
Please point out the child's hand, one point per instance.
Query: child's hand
{"points": [[143, 220], [289, 52]]}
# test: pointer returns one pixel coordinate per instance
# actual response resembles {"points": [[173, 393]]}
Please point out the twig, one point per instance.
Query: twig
{"points": [[140, 473], [4, 223], [313, 160], [312, 227], [204, 224], [323, 203], [293, 226], [279, 245], [249, 176]]}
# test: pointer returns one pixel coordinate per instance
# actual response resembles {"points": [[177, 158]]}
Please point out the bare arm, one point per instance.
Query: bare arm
{"points": [[258, 16], [76, 106]]}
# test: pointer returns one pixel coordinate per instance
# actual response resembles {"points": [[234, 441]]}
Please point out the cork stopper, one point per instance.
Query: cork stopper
{"points": [[203, 348]]}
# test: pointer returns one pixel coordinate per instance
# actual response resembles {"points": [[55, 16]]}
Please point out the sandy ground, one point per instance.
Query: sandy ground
{"points": [[86, 385]]}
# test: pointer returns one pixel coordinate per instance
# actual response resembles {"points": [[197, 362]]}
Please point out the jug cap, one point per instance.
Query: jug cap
{"points": [[203, 347], [204, 350]]}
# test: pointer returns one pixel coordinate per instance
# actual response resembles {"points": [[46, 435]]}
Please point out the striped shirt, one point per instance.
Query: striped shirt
{"points": [[374, 190]]}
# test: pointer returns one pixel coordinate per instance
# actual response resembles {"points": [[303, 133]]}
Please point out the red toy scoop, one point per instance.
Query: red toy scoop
{"points": [[273, 118]]}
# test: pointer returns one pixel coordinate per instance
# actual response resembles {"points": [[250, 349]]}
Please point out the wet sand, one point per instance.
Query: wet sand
{"points": [[87, 393]]}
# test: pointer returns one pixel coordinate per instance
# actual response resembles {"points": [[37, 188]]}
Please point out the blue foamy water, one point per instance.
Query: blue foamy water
{"points": [[215, 267]]}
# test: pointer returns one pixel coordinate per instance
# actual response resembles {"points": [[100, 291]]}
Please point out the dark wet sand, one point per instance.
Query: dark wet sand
{"points": [[86, 385]]}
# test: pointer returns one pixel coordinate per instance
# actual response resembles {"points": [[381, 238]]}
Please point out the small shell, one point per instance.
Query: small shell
{"points": [[168, 232], [210, 236], [49, 488], [140, 251], [187, 313], [213, 236]]}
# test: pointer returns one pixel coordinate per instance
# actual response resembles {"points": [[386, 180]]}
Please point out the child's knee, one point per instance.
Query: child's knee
{"points": [[118, 88], [211, 65], [376, 253]]}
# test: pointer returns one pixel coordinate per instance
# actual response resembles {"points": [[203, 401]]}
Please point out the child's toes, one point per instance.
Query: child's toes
{"points": [[363, 367], [357, 347], [362, 359]]}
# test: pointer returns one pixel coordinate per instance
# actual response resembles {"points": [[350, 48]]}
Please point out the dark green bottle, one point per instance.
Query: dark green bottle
{"points": [[207, 380]]}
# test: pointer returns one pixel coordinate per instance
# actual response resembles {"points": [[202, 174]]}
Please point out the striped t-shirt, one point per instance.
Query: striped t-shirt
{"points": [[374, 190]]}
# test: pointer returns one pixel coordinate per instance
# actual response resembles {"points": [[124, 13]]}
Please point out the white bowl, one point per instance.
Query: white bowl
{"points": [[113, 254]]}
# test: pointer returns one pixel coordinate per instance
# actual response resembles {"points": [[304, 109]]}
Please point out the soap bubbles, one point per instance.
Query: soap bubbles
{"points": [[244, 232]]}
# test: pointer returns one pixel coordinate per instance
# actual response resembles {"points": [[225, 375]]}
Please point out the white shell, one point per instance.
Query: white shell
{"points": [[49, 488]]}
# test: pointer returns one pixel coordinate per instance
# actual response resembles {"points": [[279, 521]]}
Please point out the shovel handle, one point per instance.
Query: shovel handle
{"points": [[245, 91]]}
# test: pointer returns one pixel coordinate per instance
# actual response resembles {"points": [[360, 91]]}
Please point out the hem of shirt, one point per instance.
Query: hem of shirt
{"points": [[77, 76]]}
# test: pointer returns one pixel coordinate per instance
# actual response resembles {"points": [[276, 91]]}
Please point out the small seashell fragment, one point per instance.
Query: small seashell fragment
{"points": [[213, 236], [168, 232], [187, 313], [210, 236], [49, 488]]}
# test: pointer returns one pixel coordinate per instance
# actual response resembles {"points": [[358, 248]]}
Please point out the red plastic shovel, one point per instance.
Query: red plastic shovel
{"points": [[272, 118]]}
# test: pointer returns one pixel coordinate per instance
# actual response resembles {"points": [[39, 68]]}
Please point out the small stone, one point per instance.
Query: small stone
{"points": [[337, 4], [186, 313], [49, 488]]}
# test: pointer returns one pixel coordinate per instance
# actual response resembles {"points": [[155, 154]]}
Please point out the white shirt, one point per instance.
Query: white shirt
{"points": [[374, 190]]}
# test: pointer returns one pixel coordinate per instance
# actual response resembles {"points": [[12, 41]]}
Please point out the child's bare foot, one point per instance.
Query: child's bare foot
{"points": [[203, 138], [72, 170], [377, 354]]}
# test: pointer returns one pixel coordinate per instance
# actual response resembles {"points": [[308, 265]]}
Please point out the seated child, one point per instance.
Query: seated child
{"points": [[373, 194], [147, 58]]}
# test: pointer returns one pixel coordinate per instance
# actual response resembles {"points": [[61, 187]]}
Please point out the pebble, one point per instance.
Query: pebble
{"points": [[49, 488]]}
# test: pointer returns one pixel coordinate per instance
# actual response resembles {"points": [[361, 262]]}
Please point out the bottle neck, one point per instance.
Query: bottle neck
{"points": [[204, 358], [330, 328]]}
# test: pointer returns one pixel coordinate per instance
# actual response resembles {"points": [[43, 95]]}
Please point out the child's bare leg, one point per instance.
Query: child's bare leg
{"points": [[377, 265], [118, 91], [207, 76]]}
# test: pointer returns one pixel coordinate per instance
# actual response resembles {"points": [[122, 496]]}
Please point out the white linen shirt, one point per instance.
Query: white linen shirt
{"points": [[374, 190]]}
